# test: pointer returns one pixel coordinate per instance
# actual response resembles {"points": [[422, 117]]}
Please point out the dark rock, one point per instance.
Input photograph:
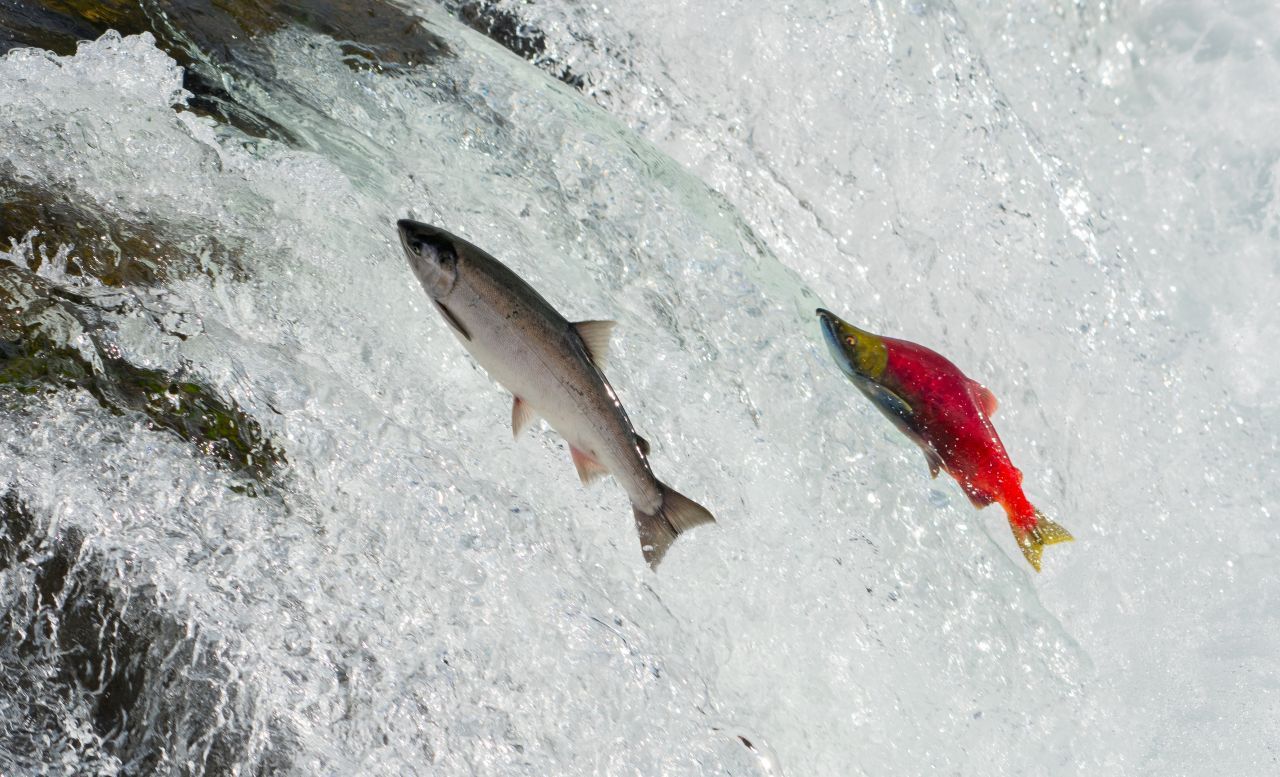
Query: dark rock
{"points": [[83, 642], [116, 251], [505, 27], [219, 43]]}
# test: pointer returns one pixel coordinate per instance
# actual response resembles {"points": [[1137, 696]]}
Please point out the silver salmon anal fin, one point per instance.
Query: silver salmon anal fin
{"points": [[588, 468]]}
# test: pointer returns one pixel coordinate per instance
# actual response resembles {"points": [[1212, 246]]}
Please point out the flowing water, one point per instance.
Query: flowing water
{"points": [[263, 515]]}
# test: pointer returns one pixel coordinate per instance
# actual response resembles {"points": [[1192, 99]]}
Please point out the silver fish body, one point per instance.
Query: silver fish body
{"points": [[551, 366]]}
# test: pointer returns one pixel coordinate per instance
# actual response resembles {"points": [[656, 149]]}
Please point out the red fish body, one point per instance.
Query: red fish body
{"points": [[954, 425], [949, 416]]}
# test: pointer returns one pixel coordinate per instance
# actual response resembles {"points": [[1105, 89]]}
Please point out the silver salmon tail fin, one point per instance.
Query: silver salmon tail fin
{"points": [[676, 515]]}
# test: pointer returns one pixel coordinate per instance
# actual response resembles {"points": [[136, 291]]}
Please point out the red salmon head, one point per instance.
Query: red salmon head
{"points": [[859, 353]]}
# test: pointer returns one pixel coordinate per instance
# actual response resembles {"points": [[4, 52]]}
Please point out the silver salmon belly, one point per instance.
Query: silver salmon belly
{"points": [[552, 368]]}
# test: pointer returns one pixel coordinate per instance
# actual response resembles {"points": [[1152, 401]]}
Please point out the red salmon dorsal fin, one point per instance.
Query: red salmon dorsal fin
{"points": [[985, 397]]}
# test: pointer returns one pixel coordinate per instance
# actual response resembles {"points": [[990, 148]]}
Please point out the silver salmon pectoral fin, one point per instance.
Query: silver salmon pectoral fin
{"points": [[453, 322]]}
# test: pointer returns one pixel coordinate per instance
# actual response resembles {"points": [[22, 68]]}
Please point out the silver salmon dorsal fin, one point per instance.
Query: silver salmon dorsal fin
{"points": [[642, 444], [595, 336], [522, 416], [985, 397]]}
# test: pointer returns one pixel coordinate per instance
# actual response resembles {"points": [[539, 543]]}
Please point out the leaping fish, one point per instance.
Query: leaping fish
{"points": [[552, 367], [948, 415]]}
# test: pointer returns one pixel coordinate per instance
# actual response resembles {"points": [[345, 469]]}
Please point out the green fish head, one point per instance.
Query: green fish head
{"points": [[862, 355]]}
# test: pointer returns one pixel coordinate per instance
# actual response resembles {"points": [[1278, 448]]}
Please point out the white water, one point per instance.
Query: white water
{"points": [[1077, 207]]}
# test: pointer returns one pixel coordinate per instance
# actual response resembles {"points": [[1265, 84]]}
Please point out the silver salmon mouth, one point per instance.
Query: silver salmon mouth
{"points": [[403, 227], [415, 235]]}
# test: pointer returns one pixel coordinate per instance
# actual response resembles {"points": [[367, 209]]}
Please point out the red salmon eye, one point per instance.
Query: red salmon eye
{"points": [[849, 341]]}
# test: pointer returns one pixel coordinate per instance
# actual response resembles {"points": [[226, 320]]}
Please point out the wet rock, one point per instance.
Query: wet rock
{"points": [[221, 43], [114, 250], [102, 672], [505, 27], [229, 32], [58, 336]]}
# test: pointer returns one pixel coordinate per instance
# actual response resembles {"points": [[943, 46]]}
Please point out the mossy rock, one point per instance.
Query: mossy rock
{"points": [[50, 343]]}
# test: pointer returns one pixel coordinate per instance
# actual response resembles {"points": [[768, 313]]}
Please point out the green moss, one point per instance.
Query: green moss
{"points": [[37, 356]]}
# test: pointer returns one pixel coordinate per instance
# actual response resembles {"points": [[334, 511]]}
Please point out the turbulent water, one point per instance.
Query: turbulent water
{"points": [[263, 515]]}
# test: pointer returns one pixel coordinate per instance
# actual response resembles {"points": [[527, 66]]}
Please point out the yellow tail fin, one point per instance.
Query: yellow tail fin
{"points": [[1033, 540]]}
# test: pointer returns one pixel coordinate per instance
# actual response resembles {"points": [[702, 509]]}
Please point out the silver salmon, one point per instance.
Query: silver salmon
{"points": [[552, 367]]}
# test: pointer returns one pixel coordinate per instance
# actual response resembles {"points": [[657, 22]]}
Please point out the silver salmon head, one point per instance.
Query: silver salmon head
{"points": [[433, 254]]}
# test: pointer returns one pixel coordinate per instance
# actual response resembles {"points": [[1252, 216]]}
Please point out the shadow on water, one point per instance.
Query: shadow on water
{"points": [[80, 646]]}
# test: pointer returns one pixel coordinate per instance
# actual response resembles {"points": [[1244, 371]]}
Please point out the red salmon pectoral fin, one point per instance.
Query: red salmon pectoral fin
{"points": [[589, 470]]}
